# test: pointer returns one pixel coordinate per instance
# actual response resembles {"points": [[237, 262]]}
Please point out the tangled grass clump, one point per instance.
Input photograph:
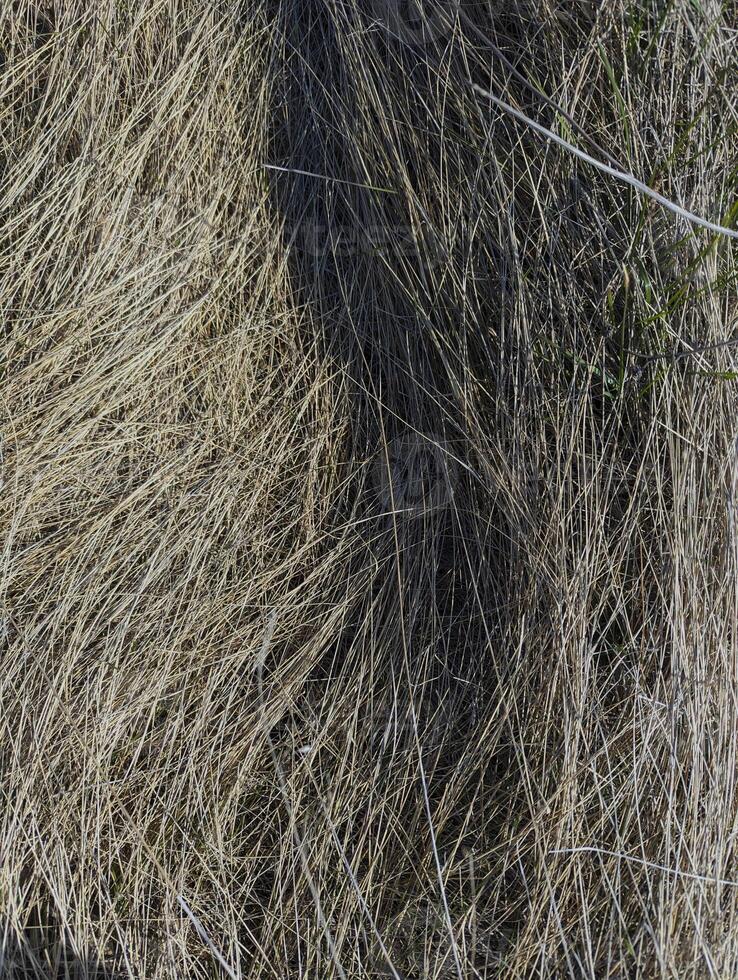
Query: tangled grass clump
{"points": [[369, 597]]}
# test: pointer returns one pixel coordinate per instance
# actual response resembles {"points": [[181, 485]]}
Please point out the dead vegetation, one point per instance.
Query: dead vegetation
{"points": [[368, 585]]}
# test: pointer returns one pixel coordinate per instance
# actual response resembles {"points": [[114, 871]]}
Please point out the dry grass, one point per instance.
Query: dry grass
{"points": [[368, 589]]}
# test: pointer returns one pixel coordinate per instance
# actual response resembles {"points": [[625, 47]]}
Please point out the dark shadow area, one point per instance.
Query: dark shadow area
{"points": [[357, 132], [394, 289]]}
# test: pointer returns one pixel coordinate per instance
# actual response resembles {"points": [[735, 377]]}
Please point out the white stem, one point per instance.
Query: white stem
{"points": [[607, 169]]}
